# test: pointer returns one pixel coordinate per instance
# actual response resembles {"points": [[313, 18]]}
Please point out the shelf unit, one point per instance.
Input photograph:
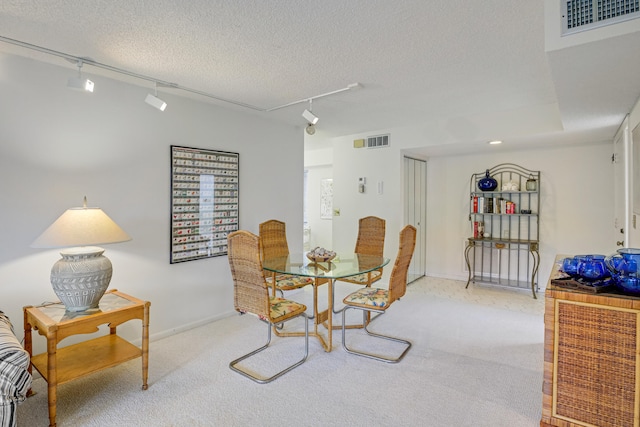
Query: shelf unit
{"points": [[503, 247]]}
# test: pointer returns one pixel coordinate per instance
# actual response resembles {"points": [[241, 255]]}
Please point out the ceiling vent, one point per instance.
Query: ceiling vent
{"points": [[581, 15], [379, 141]]}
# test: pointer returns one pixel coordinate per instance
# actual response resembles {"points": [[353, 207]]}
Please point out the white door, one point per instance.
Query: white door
{"points": [[621, 189], [633, 186], [415, 212]]}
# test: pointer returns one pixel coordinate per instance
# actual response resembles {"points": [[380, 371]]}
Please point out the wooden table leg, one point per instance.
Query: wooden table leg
{"points": [[28, 345], [145, 346], [52, 378]]}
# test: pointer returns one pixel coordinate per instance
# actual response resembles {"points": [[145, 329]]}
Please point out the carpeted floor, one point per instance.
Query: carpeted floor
{"points": [[476, 361]]}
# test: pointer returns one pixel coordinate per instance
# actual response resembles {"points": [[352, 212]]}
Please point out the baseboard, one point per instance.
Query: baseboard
{"points": [[183, 328]]}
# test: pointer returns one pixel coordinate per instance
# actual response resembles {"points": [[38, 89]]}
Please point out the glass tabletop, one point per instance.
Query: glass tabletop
{"points": [[343, 265]]}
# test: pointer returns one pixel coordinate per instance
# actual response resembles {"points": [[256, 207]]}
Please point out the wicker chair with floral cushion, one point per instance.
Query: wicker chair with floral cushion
{"points": [[273, 238], [375, 300], [251, 295], [371, 230]]}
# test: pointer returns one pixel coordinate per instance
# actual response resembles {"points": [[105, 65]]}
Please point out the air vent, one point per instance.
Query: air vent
{"points": [[580, 15], [379, 141]]}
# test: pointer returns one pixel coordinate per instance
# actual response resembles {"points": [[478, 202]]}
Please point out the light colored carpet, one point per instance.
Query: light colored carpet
{"points": [[476, 361]]}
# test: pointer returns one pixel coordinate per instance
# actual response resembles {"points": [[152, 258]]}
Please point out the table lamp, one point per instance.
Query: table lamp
{"points": [[82, 275]]}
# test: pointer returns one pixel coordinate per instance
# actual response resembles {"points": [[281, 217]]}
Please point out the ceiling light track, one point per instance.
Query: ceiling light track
{"points": [[161, 83], [352, 86]]}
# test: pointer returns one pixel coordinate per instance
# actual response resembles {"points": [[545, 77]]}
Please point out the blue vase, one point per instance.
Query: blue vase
{"points": [[487, 183]]}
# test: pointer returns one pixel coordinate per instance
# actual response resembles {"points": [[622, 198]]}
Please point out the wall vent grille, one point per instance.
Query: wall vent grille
{"points": [[580, 15], [379, 141]]}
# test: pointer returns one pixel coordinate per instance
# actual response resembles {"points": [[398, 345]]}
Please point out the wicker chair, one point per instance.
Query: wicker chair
{"points": [[273, 238], [251, 295], [370, 241], [373, 300]]}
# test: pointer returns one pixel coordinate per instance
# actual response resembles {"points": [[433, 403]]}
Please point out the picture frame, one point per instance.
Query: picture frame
{"points": [[204, 202], [326, 198]]}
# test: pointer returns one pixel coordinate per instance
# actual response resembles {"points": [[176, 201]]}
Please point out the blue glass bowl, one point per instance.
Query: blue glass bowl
{"points": [[628, 285], [570, 265], [593, 267]]}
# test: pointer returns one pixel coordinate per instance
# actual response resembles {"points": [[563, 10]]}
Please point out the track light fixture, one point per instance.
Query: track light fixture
{"points": [[308, 115], [78, 83], [154, 101], [311, 118], [311, 129]]}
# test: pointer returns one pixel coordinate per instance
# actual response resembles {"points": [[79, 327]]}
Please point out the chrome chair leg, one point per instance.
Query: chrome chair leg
{"points": [[372, 334], [234, 363]]}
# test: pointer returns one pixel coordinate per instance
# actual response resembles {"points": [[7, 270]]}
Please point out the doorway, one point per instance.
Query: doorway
{"points": [[621, 193], [415, 212]]}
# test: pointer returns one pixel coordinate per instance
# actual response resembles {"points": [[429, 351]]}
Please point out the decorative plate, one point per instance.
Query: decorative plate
{"points": [[321, 255]]}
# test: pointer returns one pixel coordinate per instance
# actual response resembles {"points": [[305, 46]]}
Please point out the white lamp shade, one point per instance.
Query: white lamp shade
{"points": [[81, 227]]}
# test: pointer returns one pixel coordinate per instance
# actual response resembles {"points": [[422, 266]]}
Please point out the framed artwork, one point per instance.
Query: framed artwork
{"points": [[204, 202], [326, 199]]}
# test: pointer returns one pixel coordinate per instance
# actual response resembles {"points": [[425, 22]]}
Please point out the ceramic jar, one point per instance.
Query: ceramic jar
{"points": [[510, 186], [487, 183]]}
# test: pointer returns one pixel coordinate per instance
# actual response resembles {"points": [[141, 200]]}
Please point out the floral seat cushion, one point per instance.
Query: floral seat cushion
{"points": [[364, 277], [281, 307], [285, 281], [369, 297]]}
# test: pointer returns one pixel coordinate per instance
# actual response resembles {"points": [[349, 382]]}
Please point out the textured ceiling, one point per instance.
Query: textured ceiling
{"points": [[445, 64]]}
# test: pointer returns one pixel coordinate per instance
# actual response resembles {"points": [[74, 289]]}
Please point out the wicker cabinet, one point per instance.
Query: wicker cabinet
{"points": [[591, 359], [503, 247]]}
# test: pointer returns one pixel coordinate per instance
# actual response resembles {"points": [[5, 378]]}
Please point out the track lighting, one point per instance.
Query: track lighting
{"points": [[154, 101], [87, 85], [311, 118], [311, 129], [78, 83]]}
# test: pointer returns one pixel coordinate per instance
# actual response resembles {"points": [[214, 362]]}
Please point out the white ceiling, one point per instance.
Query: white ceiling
{"points": [[462, 67]]}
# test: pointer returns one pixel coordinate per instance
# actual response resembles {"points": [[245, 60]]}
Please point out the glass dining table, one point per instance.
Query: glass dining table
{"points": [[343, 265]]}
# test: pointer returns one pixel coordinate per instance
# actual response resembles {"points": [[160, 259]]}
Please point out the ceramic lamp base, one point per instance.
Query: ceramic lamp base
{"points": [[81, 277]]}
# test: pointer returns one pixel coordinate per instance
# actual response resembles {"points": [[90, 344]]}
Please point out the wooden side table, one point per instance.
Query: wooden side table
{"points": [[57, 366]]}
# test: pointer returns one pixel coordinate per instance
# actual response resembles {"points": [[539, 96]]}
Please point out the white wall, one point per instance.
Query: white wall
{"points": [[576, 201], [319, 166], [58, 145], [376, 165]]}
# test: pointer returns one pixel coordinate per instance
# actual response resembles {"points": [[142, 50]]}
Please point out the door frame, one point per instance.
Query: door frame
{"points": [[415, 211]]}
